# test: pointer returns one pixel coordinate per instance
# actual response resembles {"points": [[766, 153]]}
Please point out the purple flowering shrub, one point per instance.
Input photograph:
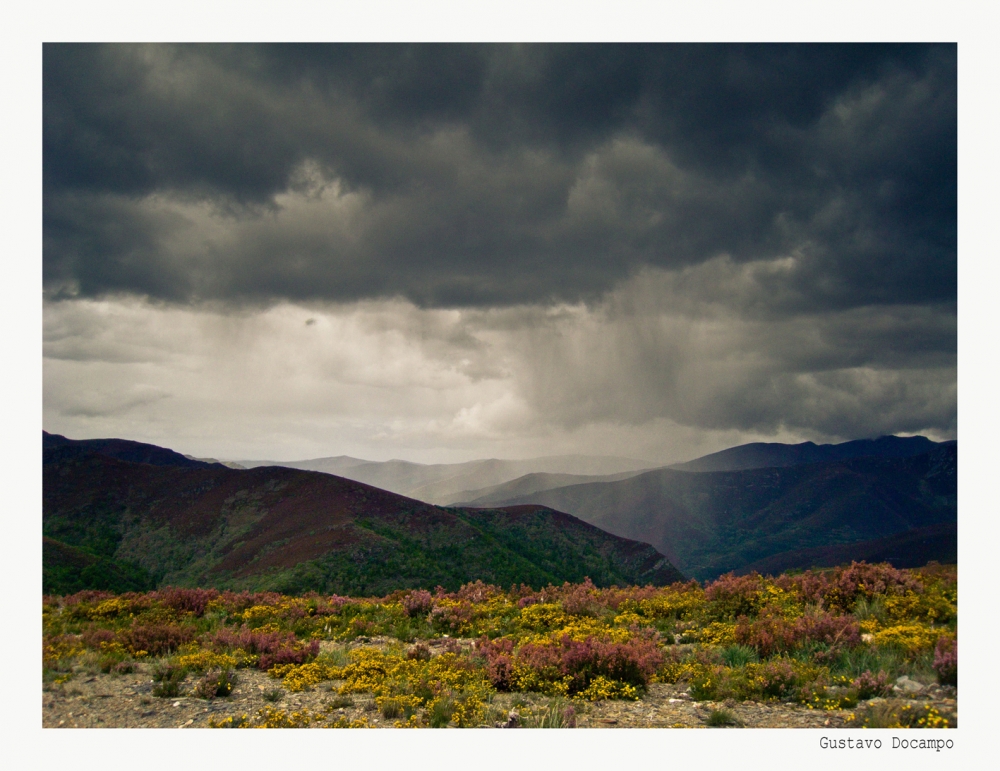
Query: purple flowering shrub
{"points": [[871, 685], [193, 601], [155, 639], [418, 603], [274, 647], [861, 580], [732, 596], [946, 660], [633, 662], [772, 633]]}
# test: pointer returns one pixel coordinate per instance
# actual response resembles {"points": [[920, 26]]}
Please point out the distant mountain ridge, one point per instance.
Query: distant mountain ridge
{"points": [[444, 483], [190, 523], [777, 455], [740, 458], [124, 449], [530, 484]]}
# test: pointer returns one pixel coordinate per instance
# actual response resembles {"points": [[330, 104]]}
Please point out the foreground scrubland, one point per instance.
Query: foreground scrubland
{"points": [[858, 645]]}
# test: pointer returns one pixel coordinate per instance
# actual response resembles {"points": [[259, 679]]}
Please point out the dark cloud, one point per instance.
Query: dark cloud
{"points": [[567, 240], [494, 175]]}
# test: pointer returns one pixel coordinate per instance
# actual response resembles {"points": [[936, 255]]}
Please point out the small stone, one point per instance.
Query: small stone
{"points": [[905, 685], [177, 703]]}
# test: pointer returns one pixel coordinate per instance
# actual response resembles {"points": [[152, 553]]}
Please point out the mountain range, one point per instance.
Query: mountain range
{"points": [[133, 516], [711, 522], [445, 483], [136, 515], [488, 481]]}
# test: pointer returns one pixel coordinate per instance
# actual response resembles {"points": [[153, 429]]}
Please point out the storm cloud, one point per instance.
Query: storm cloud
{"points": [[747, 240]]}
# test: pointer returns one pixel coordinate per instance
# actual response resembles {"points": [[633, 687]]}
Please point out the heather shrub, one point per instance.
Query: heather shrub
{"points": [[418, 603], [809, 587], [273, 646], [860, 579], [571, 666], [731, 596], [98, 638], [500, 671], [581, 599], [771, 633], [870, 685], [775, 679], [193, 601], [291, 654], [330, 606], [946, 660], [452, 616], [834, 631], [85, 599], [155, 639], [215, 684], [478, 592]]}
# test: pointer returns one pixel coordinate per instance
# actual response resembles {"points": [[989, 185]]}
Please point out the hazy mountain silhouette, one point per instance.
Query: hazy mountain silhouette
{"points": [[444, 483]]}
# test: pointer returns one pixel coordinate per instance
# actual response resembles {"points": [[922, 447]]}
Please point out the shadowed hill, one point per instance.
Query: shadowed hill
{"points": [[909, 549], [741, 458], [711, 522], [291, 530], [123, 449]]}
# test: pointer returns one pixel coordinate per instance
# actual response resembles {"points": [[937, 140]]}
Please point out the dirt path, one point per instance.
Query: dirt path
{"points": [[126, 701]]}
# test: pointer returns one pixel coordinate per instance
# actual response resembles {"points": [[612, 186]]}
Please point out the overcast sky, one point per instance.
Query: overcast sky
{"points": [[440, 253]]}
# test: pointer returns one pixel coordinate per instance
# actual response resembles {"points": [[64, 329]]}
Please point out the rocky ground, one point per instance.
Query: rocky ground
{"points": [[97, 700]]}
